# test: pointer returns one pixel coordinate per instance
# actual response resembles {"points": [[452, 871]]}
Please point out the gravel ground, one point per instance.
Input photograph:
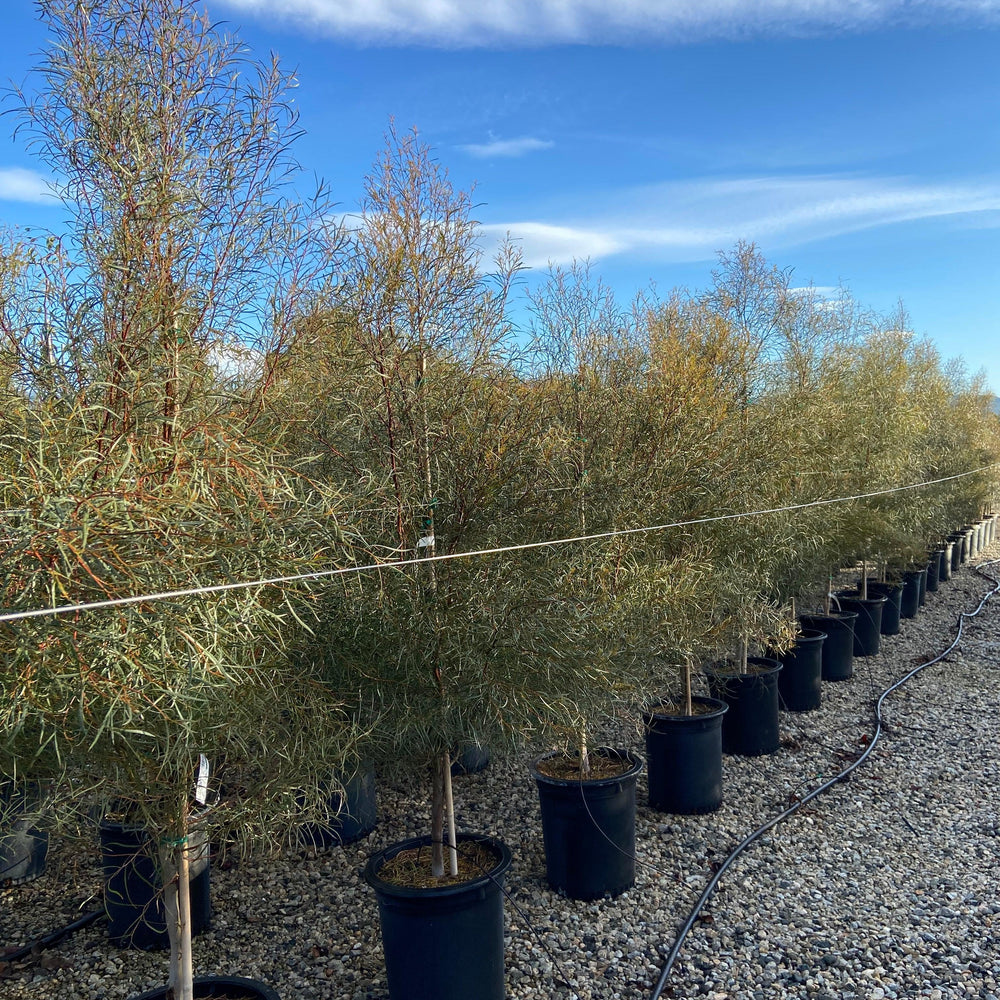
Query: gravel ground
{"points": [[886, 886]]}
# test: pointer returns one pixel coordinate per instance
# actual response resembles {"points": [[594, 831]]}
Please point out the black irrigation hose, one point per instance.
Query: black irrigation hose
{"points": [[52, 937], [760, 831]]}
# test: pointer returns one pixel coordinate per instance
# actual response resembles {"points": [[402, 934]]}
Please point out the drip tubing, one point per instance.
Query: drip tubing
{"points": [[841, 776], [52, 937]]}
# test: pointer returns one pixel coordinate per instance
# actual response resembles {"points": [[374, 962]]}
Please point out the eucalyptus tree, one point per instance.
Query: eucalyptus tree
{"points": [[144, 335], [735, 325], [632, 422], [418, 413], [961, 436]]}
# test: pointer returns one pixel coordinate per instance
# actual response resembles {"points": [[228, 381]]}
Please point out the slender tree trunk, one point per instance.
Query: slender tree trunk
{"points": [[688, 703], [437, 818]]}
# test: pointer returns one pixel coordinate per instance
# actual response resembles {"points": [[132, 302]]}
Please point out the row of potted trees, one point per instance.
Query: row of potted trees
{"points": [[209, 391]]}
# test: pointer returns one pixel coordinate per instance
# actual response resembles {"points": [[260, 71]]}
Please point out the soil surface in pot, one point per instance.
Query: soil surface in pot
{"points": [[412, 867], [566, 767], [677, 708]]}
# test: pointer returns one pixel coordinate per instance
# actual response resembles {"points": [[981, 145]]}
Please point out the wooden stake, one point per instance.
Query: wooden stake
{"points": [[184, 912], [177, 909], [449, 806]]}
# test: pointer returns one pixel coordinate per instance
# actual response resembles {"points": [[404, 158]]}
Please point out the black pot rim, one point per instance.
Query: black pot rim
{"points": [[853, 595], [113, 826], [773, 666], [828, 616], [264, 991], [492, 877], [637, 765], [810, 634], [719, 707]]}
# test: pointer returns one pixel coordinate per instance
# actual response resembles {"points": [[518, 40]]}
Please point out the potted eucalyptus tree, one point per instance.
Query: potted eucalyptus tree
{"points": [[418, 414], [146, 336]]}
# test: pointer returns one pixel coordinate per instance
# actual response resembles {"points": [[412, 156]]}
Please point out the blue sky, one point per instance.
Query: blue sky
{"points": [[856, 142]]}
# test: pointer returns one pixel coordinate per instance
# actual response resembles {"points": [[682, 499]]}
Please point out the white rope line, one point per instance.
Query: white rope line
{"points": [[396, 564]]}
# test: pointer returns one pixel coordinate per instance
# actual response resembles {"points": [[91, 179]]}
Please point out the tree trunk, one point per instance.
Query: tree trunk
{"points": [[437, 818]]}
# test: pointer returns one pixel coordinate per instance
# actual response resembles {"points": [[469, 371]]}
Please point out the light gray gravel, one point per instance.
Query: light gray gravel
{"points": [[887, 886]]}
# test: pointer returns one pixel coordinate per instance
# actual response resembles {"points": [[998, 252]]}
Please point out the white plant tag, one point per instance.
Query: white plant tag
{"points": [[201, 785], [425, 542]]}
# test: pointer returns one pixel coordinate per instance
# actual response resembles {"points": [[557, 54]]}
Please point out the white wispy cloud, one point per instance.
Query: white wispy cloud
{"points": [[691, 220], [18, 184], [484, 23], [815, 291], [542, 242], [508, 148]]}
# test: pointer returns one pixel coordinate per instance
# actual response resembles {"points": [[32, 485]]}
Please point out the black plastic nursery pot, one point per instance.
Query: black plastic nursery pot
{"points": [[354, 814], [868, 626], [133, 888], [967, 534], [909, 599], [443, 942], [23, 846], [750, 728], [684, 757], [800, 683], [957, 550], [933, 571], [589, 828], [973, 541], [944, 570], [892, 609], [220, 987], [961, 547], [944, 565], [470, 759], [838, 646]]}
